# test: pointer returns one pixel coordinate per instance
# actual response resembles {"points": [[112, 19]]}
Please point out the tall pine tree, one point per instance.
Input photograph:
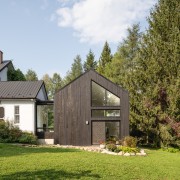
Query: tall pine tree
{"points": [[90, 61], [76, 70], [157, 76], [105, 58]]}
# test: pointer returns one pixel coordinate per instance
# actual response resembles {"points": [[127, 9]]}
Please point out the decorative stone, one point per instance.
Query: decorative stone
{"points": [[120, 153], [143, 154], [126, 154], [102, 146], [132, 154]]}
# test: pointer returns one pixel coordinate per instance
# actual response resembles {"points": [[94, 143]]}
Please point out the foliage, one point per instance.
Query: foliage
{"points": [[19, 162], [10, 134], [111, 147], [15, 75], [128, 149], [76, 70], [172, 150], [130, 141], [156, 77], [53, 84], [105, 59], [148, 66], [31, 75], [28, 138], [90, 61]]}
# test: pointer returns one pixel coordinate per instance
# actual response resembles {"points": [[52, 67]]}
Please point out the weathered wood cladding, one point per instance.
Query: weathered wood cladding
{"points": [[73, 109]]}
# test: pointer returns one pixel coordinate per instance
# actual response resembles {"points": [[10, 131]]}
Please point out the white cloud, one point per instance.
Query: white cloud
{"points": [[95, 21]]}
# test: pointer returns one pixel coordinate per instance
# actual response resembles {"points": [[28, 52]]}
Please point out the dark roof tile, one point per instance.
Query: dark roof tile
{"points": [[4, 64], [19, 89]]}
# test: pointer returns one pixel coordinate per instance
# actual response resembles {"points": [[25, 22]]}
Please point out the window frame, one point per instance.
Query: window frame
{"points": [[16, 114], [106, 92]]}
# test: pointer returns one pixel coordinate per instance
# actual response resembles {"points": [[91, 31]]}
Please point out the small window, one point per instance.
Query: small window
{"points": [[105, 113], [16, 115], [1, 113]]}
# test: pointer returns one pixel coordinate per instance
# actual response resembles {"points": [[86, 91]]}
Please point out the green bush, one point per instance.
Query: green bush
{"points": [[28, 138], [4, 131], [127, 149], [130, 141], [171, 150], [111, 147], [10, 134]]}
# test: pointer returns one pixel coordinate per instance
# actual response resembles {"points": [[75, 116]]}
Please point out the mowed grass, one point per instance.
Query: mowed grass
{"points": [[18, 162]]}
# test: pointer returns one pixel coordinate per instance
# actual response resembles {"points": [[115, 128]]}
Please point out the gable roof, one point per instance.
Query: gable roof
{"points": [[20, 89], [4, 64], [89, 72]]}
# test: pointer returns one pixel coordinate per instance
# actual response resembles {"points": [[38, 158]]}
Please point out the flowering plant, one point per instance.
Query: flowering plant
{"points": [[102, 142]]}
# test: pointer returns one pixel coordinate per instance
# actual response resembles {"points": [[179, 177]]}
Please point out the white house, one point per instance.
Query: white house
{"points": [[18, 102], [25, 104]]}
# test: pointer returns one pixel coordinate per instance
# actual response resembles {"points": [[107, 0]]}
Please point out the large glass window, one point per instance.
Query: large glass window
{"points": [[105, 113], [102, 97], [45, 118]]}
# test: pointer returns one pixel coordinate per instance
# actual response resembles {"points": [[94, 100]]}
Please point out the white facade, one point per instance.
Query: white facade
{"points": [[3, 74], [26, 113]]}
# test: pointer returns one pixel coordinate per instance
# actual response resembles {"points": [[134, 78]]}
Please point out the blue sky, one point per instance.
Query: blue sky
{"points": [[46, 35]]}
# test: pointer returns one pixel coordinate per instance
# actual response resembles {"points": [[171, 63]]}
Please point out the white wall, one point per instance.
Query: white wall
{"points": [[26, 110], [3, 74]]}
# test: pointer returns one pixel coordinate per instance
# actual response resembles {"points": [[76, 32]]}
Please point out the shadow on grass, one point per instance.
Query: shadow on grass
{"points": [[51, 174], [7, 150]]}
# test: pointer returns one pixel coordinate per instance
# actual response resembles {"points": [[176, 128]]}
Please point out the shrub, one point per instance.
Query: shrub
{"points": [[9, 133], [111, 147], [130, 141], [171, 150], [14, 134], [28, 138], [130, 150], [4, 131]]}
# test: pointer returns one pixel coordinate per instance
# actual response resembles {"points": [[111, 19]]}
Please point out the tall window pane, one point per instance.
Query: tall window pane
{"points": [[102, 97], [16, 115]]}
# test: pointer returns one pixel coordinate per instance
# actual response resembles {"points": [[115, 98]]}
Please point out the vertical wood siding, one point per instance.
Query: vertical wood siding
{"points": [[73, 108]]}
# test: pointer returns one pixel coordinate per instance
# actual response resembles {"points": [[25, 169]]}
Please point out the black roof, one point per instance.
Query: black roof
{"points": [[20, 89], [4, 64]]}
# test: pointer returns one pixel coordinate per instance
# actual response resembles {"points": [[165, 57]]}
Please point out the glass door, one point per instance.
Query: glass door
{"points": [[105, 130]]}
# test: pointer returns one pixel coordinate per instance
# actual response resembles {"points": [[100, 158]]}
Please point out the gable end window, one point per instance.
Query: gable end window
{"points": [[16, 115], [1, 113], [102, 97]]}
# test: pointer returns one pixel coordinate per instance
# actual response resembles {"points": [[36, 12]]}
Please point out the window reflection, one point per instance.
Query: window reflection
{"points": [[102, 97], [105, 113]]}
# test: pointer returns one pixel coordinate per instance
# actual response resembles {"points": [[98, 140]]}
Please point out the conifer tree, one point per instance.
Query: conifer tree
{"points": [[76, 70], [105, 58], [157, 74], [90, 61]]}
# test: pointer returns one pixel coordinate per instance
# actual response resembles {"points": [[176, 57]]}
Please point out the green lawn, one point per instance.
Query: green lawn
{"points": [[56, 163]]}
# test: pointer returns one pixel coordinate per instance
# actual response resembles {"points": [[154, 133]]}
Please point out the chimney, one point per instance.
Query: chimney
{"points": [[1, 57]]}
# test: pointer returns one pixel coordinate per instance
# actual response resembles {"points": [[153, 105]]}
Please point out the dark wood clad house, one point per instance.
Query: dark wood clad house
{"points": [[89, 110]]}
